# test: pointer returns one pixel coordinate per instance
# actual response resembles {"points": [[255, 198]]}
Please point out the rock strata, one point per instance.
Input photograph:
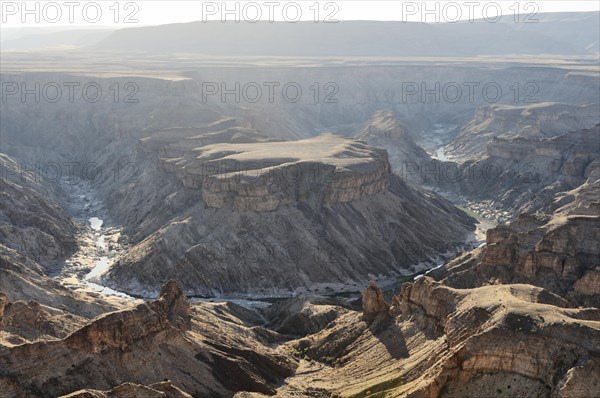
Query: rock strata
{"points": [[263, 176], [193, 346], [490, 341], [275, 217], [373, 302]]}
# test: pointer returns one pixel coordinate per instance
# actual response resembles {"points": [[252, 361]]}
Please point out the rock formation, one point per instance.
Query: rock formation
{"points": [[535, 121], [302, 316], [557, 251], [261, 177], [254, 202], [164, 389], [193, 346], [373, 302], [522, 174], [37, 227], [491, 341], [274, 217], [405, 157]]}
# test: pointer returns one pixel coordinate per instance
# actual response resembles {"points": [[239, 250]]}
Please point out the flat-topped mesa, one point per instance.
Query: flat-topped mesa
{"points": [[263, 176]]}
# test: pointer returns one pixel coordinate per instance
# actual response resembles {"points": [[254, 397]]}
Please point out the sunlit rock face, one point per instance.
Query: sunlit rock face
{"points": [[558, 250]]}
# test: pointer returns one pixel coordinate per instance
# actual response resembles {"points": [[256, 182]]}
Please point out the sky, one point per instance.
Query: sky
{"points": [[112, 13]]}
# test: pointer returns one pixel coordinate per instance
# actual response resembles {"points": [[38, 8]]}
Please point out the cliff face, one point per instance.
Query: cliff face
{"points": [[384, 130], [192, 346], [261, 177], [31, 219], [523, 175], [271, 217], [437, 341], [536, 121], [558, 251]]}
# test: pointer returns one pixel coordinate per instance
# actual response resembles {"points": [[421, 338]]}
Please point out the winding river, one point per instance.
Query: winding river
{"points": [[98, 245]]}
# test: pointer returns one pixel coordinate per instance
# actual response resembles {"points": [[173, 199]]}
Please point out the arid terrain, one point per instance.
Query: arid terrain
{"points": [[364, 241]]}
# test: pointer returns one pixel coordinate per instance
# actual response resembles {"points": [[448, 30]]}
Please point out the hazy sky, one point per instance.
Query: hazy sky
{"points": [[149, 12]]}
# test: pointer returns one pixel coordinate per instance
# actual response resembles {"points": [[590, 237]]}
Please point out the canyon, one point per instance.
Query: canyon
{"points": [[389, 243]]}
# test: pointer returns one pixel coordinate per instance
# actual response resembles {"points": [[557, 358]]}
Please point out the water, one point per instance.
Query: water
{"points": [[107, 291], [96, 223], [103, 264], [441, 156], [98, 244], [101, 267]]}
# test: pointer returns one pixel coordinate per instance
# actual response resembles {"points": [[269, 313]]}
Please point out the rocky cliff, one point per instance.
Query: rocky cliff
{"points": [[558, 250], [32, 221], [273, 217], [535, 121], [193, 346], [522, 174], [438, 341], [261, 177], [384, 130]]}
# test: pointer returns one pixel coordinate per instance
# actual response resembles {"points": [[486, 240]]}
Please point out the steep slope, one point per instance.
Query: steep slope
{"points": [[199, 348], [521, 174], [559, 252], [271, 217], [36, 235], [509, 122], [384, 130], [31, 220], [436, 341]]}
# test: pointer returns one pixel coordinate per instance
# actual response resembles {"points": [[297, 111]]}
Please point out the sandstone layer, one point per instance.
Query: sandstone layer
{"points": [[522, 174], [559, 251], [490, 341], [203, 349], [261, 177], [534, 121], [273, 217]]}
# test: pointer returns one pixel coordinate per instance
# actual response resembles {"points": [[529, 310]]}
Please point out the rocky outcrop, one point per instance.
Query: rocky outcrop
{"points": [[130, 390], [197, 347], [523, 175], [589, 283], [277, 218], [303, 316], [294, 248], [406, 158], [558, 251], [535, 121], [581, 381], [444, 342], [263, 176], [373, 302], [24, 322]]}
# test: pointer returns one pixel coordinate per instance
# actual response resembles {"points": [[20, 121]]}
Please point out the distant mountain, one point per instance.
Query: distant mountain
{"points": [[52, 39], [564, 33]]}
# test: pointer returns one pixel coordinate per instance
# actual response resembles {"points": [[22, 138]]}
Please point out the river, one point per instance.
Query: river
{"points": [[98, 244]]}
